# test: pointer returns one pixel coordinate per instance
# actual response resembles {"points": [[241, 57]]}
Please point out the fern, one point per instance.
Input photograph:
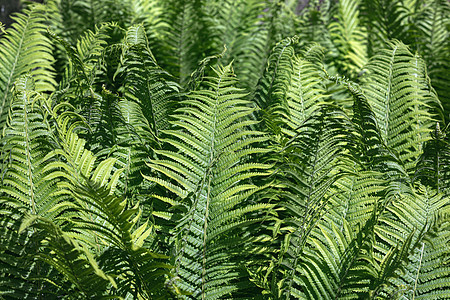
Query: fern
{"points": [[347, 37], [399, 101], [78, 266], [186, 38], [306, 90], [24, 155], [25, 50], [208, 172], [271, 92], [135, 166], [432, 22], [432, 169], [309, 168]]}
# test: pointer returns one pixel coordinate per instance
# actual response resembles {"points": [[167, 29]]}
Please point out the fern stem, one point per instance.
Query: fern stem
{"points": [[418, 271]]}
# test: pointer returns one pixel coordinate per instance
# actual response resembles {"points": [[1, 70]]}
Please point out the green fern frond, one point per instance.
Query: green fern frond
{"points": [[348, 38], [22, 276], [76, 17], [234, 21], [272, 89], [409, 214], [433, 167], [82, 276], [99, 220], [429, 269], [306, 91], [208, 171], [138, 270], [400, 101], [27, 140], [432, 19], [24, 49], [186, 37], [385, 20], [132, 123], [146, 83], [310, 165]]}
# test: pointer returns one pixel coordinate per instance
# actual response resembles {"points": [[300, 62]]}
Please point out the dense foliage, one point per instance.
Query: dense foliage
{"points": [[225, 149]]}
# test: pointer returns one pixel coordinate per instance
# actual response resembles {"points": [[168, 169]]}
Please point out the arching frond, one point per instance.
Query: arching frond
{"points": [[306, 91], [272, 89], [400, 101]]}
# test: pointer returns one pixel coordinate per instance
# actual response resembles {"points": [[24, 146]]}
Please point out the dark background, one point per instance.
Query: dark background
{"points": [[10, 6]]}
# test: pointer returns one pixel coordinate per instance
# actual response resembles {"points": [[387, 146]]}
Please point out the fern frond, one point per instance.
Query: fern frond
{"points": [[146, 83], [385, 20], [24, 49], [306, 91], [409, 214], [27, 141], [22, 276], [429, 269], [272, 89], [310, 166], [79, 268], [99, 220], [400, 102], [432, 19], [139, 271], [348, 38], [234, 20], [433, 167], [186, 37], [209, 173]]}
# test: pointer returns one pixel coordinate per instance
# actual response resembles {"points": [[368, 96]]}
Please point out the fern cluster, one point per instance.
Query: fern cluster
{"points": [[237, 149]]}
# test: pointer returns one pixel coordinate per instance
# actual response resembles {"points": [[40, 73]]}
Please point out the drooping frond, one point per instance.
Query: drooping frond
{"points": [[410, 213], [24, 49], [429, 269], [103, 223], [368, 147], [82, 277], [139, 271], [209, 177], [22, 276], [266, 22]]}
